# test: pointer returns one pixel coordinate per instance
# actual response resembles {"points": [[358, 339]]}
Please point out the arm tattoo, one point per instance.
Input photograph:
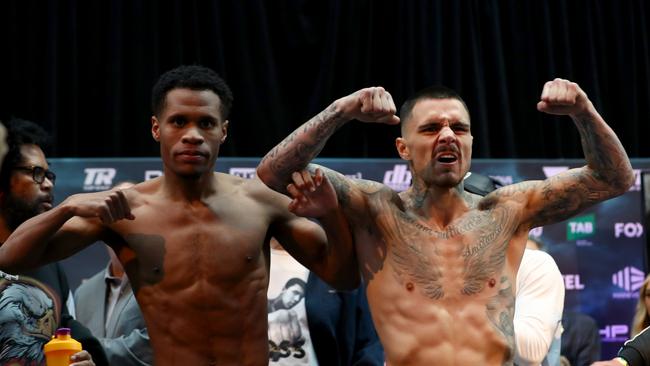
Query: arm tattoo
{"points": [[603, 152], [299, 148]]}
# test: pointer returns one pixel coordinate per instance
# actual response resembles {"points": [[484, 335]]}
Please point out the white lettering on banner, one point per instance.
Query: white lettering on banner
{"points": [[399, 178], [99, 179], [581, 227], [356, 175], [637, 180], [550, 171], [572, 282], [246, 173], [614, 333], [151, 174], [629, 229]]}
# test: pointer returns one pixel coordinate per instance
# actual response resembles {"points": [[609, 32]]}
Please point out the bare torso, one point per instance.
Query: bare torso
{"points": [[440, 296], [200, 273]]}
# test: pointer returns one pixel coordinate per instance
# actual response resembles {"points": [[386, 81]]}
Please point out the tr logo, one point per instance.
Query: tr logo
{"points": [[98, 179]]}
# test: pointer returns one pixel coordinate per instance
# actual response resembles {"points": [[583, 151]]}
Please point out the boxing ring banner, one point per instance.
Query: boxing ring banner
{"points": [[600, 252]]}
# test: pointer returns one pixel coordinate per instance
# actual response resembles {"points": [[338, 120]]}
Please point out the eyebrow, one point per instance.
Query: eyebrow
{"points": [[436, 123]]}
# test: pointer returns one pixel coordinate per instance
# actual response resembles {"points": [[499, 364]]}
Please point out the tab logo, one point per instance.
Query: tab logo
{"points": [[246, 173], [151, 174], [572, 282], [399, 178], [628, 229], [614, 333], [581, 227], [99, 179]]}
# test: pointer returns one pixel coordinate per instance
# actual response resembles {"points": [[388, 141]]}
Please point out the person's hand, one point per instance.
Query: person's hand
{"points": [[284, 325], [82, 358], [312, 196], [369, 105], [563, 98], [108, 206], [612, 362]]}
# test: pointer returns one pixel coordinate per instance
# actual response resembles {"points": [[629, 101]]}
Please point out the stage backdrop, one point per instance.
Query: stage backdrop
{"points": [[601, 252]]}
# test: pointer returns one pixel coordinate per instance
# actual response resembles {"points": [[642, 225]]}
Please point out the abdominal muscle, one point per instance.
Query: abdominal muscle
{"points": [[417, 330], [208, 323]]}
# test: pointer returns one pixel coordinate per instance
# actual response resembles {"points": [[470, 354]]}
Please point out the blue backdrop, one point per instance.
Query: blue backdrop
{"points": [[600, 252]]}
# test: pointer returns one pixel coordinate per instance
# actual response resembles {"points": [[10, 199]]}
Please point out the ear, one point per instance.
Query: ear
{"points": [[155, 128], [402, 149], [224, 131]]}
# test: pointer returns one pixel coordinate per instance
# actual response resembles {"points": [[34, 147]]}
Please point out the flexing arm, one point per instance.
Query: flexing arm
{"points": [[608, 172], [74, 224], [298, 149]]}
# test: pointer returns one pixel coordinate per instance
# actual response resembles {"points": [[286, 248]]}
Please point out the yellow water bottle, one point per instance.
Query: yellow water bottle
{"points": [[60, 348]]}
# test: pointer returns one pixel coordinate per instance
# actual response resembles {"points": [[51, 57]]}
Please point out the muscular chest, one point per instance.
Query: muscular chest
{"points": [[463, 259], [216, 242]]}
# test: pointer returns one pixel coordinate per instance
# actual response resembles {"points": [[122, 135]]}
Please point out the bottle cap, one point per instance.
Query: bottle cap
{"points": [[62, 331]]}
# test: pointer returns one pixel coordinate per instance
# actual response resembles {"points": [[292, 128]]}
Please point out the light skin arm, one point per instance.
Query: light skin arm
{"points": [[66, 229], [298, 149], [337, 264], [613, 362], [608, 172]]}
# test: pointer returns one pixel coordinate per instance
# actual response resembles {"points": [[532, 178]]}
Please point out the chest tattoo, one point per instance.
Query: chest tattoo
{"points": [[481, 237]]}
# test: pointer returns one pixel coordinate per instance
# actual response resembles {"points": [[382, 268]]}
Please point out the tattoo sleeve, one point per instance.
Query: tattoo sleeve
{"points": [[608, 173], [298, 149], [604, 153]]}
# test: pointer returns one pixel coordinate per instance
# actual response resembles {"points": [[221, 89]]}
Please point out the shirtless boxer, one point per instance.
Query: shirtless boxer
{"points": [[194, 243], [440, 263]]}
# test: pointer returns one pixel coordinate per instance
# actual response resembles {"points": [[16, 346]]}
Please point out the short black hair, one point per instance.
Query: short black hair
{"points": [[430, 92], [194, 77], [295, 281], [20, 132]]}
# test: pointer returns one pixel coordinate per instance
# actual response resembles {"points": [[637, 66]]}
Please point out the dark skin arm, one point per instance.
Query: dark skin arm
{"points": [[314, 196], [325, 250], [64, 230]]}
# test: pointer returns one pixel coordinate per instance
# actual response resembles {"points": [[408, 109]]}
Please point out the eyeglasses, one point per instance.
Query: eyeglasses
{"points": [[38, 173]]}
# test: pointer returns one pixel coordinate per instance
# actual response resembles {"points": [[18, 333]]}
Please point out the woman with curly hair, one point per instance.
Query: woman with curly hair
{"points": [[642, 314]]}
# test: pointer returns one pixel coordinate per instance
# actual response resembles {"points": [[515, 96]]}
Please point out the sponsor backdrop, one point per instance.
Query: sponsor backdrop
{"points": [[601, 252]]}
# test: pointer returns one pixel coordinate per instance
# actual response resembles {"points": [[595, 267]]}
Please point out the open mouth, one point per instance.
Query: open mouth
{"points": [[447, 158]]}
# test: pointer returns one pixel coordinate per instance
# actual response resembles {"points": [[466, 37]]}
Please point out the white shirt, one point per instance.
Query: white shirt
{"points": [[115, 287], [538, 310]]}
